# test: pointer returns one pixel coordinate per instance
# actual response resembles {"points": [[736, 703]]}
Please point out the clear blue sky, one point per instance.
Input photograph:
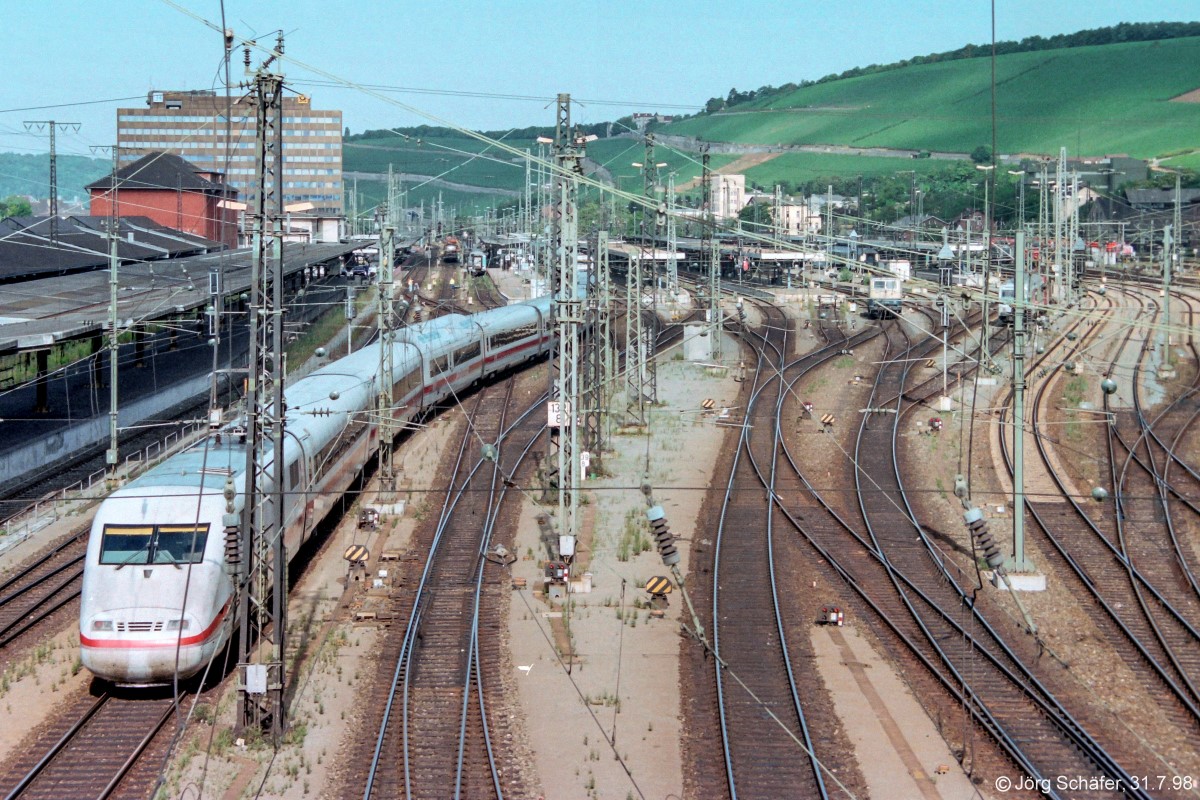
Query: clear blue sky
{"points": [[643, 55]]}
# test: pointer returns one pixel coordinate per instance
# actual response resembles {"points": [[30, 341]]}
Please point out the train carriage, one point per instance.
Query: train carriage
{"points": [[158, 576], [1034, 285], [477, 263], [885, 295], [514, 334]]}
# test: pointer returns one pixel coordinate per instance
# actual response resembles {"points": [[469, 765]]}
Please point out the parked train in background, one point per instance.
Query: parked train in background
{"points": [[450, 250], [158, 586], [885, 294], [477, 263], [1034, 298]]}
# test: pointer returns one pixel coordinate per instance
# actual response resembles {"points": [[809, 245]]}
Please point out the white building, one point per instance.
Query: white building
{"points": [[728, 195], [800, 219]]}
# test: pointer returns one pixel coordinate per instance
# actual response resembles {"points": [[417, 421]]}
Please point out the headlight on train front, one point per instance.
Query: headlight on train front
{"points": [[102, 625], [177, 624]]}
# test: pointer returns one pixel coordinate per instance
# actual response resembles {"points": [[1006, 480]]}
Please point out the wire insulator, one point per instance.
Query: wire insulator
{"points": [[978, 527], [233, 545], [663, 538]]}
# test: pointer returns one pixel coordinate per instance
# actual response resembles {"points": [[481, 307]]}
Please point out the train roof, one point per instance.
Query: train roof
{"points": [[205, 463], [437, 334], [512, 315]]}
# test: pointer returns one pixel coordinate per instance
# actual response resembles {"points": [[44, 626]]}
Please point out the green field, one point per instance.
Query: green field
{"points": [[1092, 100], [370, 194]]}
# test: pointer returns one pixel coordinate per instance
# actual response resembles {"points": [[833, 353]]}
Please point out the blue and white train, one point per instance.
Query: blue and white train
{"points": [[158, 591], [1035, 302]]}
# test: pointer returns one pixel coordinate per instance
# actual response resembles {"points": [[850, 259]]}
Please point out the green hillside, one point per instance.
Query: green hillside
{"points": [[453, 158], [464, 160], [618, 156], [27, 174], [1092, 100]]}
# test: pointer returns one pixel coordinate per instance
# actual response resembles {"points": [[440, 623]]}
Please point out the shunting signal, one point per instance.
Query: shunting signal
{"points": [[708, 403], [357, 553], [828, 419], [659, 584]]}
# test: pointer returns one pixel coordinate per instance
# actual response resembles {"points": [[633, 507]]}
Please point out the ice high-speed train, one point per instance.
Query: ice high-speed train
{"points": [[158, 593]]}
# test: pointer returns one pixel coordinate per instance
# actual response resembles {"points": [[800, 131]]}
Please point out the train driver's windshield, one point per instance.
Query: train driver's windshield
{"points": [[148, 544]]}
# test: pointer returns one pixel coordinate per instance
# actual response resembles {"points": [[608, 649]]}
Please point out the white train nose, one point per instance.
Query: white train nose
{"points": [[143, 665]]}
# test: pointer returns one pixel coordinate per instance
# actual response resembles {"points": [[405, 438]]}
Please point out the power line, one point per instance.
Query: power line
{"points": [[498, 95], [70, 105]]}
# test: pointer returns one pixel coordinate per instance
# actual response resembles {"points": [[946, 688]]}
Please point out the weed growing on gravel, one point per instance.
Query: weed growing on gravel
{"points": [[222, 741], [204, 713], [1074, 390], [633, 536]]}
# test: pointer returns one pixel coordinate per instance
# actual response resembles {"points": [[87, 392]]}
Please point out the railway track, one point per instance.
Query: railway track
{"points": [[1025, 718], [1143, 625], [437, 732], [98, 748], [1028, 724], [758, 696], [39, 589]]}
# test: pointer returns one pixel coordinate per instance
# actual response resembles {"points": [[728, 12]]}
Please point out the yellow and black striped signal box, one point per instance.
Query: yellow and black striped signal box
{"points": [[356, 553], [659, 585], [828, 419]]}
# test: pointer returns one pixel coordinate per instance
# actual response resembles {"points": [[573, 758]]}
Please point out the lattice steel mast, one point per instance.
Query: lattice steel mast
{"points": [[53, 127], [710, 252], [568, 314], [597, 352], [384, 399], [262, 599], [641, 374]]}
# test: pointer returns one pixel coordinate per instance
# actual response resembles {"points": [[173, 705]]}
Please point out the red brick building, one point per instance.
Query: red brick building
{"points": [[172, 192]]}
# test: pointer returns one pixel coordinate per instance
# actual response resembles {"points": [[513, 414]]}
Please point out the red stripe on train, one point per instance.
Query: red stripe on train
{"points": [[186, 641]]}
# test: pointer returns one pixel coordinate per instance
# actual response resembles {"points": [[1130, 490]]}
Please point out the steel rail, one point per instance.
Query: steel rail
{"points": [[1080, 572]]}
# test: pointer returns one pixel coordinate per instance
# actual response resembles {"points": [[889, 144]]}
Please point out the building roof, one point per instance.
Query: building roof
{"points": [[159, 170], [921, 221], [59, 306], [1160, 197], [28, 249]]}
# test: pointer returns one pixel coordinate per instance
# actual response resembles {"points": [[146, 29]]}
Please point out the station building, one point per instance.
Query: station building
{"points": [[173, 193]]}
